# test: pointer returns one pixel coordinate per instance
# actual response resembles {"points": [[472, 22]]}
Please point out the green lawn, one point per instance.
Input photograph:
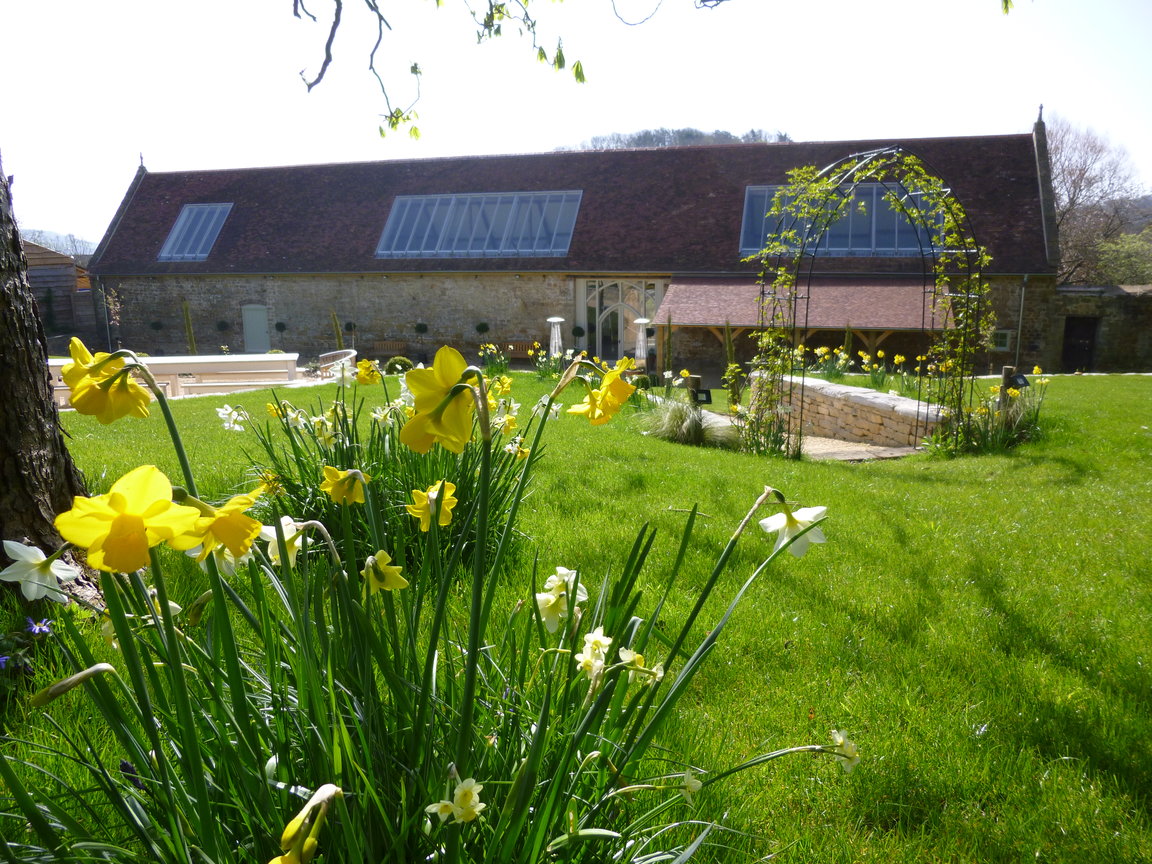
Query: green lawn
{"points": [[979, 626]]}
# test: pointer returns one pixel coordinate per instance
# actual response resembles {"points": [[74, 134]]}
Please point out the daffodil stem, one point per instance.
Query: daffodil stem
{"points": [[718, 569], [479, 578], [173, 431]]}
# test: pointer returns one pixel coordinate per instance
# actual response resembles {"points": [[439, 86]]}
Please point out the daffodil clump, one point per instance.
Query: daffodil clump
{"points": [[357, 666], [1004, 415]]}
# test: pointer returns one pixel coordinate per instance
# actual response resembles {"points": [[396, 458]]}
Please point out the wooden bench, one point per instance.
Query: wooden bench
{"points": [[390, 348], [519, 350]]}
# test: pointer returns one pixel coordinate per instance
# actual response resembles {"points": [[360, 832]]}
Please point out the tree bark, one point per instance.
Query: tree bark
{"points": [[37, 476]]}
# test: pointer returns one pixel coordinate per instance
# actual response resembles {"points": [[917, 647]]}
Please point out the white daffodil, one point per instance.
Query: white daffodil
{"points": [[233, 417], [297, 418], [464, 806], [690, 785], [561, 589], [293, 539], [344, 372], [845, 751], [790, 523], [592, 659], [38, 575], [553, 608], [226, 562], [596, 643]]}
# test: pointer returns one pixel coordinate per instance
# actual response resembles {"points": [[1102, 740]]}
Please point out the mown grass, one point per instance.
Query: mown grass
{"points": [[980, 626]]}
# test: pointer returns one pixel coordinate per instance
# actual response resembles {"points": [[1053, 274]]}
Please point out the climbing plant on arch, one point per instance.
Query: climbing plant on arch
{"points": [[956, 314]]}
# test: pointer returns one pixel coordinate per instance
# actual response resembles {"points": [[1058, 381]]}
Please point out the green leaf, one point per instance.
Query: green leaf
{"points": [[581, 835]]}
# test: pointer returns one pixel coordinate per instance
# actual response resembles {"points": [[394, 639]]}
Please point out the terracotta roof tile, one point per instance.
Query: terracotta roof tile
{"points": [[874, 305]]}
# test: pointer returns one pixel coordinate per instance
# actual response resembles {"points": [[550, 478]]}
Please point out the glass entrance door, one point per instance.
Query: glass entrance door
{"points": [[608, 309]]}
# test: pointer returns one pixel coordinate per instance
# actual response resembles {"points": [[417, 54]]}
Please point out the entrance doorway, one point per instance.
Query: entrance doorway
{"points": [[256, 337], [1079, 344], [607, 310]]}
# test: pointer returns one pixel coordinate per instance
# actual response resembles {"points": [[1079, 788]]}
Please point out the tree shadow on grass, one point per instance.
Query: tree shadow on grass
{"points": [[1062, 728]]}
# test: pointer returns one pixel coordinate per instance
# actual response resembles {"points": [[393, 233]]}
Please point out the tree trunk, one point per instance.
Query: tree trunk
{"points": [[37, 476]]}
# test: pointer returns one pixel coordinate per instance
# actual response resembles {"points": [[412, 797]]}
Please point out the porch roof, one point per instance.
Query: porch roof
{"points": [[859, 305]]}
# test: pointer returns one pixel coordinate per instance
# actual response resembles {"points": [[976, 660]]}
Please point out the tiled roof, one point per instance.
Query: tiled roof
{"points": [[675, 210], [873, 305]]}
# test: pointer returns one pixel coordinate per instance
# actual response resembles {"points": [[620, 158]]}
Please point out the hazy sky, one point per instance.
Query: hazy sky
{"points": [[215, 83]]}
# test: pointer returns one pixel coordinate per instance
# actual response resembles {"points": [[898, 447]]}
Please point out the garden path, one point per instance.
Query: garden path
{"points": [[849, 451]]}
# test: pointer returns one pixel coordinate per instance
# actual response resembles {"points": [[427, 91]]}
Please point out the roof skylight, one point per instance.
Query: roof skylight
{"points": [[496, 225], [195, 231]]}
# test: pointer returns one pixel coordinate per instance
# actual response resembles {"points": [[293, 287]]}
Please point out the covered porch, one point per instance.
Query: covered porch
{"points": [[897, 316]]}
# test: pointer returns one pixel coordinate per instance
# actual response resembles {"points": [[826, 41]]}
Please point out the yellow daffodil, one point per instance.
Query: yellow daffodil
{"points": [[85, 365], [110, 398], [367, 372], [379, 576], [602, 403], [119, 528], [225, 526], [344, 487], [270, 483], [440, 416], [101, 387], [425, 504], [301, 836], [501, 386], [790, 523]]}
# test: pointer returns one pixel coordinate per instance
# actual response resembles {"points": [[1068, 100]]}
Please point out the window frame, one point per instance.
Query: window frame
{"points": [[195, 231], [860, 214], [481, 225]]}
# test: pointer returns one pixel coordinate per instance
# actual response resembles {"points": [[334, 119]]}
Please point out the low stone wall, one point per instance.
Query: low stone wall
{"points": [[859, 414]]}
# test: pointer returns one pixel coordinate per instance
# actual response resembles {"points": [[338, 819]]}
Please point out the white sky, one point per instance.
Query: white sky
{"points": [[215, 83]]}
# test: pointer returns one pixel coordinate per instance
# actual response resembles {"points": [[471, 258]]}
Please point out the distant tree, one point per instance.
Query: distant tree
{"points": [[1095, 186], [1127, 259], [680, 138], [65, 244]]}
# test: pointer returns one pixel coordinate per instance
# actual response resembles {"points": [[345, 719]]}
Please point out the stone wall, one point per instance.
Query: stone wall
{"points": [[859, 414], [380, 308]]}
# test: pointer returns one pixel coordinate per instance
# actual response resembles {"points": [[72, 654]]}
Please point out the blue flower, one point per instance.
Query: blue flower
{"points": [[38, 628], [3, 661]]}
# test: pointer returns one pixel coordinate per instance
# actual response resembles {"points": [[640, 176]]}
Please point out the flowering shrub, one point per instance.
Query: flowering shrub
{"points": [[324, 676], [832, 364], [493, 359], [549, 366]]}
